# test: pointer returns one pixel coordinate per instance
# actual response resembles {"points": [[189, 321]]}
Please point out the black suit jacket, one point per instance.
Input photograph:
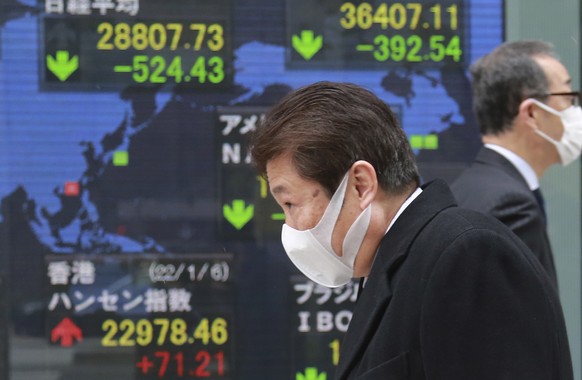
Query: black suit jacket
{"points": [[453, 294], [492, 185]]}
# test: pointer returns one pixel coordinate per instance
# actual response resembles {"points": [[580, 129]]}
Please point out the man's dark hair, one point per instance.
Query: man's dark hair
{"points": [[503, 79], [328, 126]]}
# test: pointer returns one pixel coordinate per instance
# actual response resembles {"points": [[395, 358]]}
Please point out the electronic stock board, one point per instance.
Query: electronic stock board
{"points": [[137, 239]]}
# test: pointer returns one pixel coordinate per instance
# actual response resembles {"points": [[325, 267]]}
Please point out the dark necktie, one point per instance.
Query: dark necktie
{"points": [[540, 198]]}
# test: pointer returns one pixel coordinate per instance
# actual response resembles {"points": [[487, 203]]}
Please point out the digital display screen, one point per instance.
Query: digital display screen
{"points": [[376, 34], [137, 241], [111, 45], [175, 313]]}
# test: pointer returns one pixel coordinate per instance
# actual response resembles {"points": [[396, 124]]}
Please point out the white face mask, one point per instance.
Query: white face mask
{"points": [[570, 145], [311, 251]]}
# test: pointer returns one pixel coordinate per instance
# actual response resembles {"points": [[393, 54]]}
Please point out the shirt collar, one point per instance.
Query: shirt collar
{"points": [[520, 164], [404, 205]]}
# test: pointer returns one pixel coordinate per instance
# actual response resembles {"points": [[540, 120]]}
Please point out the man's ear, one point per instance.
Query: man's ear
{"points": [[365, 182], [527, 114]]}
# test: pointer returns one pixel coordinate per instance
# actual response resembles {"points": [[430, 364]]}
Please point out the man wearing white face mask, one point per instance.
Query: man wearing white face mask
{"points": [[450, 293], [530, 119]]}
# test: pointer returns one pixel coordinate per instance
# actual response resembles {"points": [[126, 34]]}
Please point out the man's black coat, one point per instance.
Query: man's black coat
{"points": [[453, 294]]}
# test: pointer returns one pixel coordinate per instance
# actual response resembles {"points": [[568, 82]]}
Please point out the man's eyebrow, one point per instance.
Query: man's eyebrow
{"points": [[279, 189]]}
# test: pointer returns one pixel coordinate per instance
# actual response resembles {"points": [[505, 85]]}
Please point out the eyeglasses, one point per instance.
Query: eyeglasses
{"points": [[574, 96]]}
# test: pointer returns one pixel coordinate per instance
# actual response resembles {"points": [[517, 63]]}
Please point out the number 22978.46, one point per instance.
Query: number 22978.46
{"points": [[163, 331]]}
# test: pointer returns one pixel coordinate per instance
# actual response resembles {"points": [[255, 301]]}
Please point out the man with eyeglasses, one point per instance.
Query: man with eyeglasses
{"points": [[529, 119]]}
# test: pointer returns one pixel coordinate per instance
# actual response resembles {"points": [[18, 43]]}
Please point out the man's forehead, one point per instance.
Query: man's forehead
{"points": [[279, 169], [555, 71], [278, 180]]}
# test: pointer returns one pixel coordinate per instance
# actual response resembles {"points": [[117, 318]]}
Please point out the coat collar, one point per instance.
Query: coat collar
{"points": [[374, 299], [490, 157]]}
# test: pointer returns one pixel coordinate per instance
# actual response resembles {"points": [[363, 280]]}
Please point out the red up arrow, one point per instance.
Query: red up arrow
{"points": [[66, 331]]}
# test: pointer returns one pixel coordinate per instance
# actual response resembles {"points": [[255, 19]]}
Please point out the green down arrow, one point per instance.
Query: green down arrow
{"points": [[61, 65], [311, 373], [307, 45], [238, 215]]}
